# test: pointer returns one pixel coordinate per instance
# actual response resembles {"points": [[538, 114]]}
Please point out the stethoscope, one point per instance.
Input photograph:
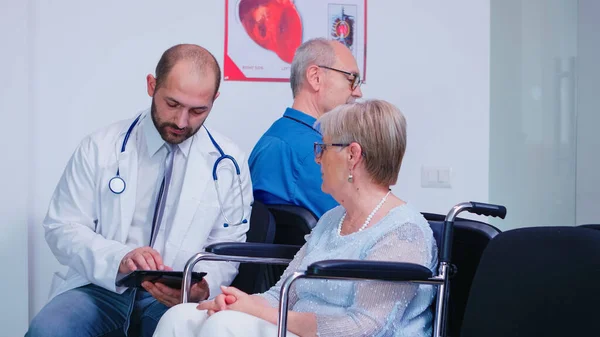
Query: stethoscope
{"points": [[117, 184]]}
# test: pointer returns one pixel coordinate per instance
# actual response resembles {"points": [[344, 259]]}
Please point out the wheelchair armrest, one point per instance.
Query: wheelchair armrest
{"points": [[250, 249], [370, 270]]}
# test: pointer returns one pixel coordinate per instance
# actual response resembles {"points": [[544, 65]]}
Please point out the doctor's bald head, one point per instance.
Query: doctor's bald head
{"points": [[200, 61], [183, 91]]}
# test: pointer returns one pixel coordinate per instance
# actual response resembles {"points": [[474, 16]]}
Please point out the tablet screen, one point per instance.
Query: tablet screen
{"points": [[172, 279]]}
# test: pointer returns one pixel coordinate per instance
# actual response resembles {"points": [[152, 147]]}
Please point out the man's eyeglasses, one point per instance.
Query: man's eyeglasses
{"points": [[355, 80], [321, 147]]}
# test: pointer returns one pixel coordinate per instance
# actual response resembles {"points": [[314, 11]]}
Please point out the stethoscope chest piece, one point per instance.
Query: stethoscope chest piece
{"points": [[116, 185]]}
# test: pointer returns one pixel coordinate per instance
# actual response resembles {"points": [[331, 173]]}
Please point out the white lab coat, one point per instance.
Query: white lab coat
{"points": [[87, 225]]}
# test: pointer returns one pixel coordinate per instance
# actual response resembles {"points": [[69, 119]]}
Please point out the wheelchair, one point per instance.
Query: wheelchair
{"points": [[477, 235]]}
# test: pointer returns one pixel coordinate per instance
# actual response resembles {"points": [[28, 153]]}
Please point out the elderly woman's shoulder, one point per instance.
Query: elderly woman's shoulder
{"points": [[407, 210], [326, 221], [406, 213], [332, 216]]}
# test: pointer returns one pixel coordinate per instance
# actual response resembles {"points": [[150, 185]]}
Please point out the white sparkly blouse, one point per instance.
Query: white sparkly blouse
{"points": [[365, 308]]}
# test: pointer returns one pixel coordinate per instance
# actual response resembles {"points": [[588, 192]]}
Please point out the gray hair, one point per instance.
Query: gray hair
{"points": [[318, 51], [380, 129]]}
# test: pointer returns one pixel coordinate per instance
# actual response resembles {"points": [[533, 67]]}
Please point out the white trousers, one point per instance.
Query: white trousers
{"points": [[184, 320]]}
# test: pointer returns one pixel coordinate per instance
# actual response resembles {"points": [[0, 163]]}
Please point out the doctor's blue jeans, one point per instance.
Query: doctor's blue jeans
{"points": [[92, 311]]}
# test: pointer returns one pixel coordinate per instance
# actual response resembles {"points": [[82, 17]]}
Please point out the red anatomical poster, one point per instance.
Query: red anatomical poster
{"points": [[261, 36]]}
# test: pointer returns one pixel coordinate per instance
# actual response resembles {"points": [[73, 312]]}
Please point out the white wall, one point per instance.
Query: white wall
{"points": [[588, 114], [431, 59], [15, 140], [90, 58]]}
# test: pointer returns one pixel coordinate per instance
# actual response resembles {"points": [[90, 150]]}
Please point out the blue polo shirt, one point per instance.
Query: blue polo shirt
{"points": [[283, 167]]}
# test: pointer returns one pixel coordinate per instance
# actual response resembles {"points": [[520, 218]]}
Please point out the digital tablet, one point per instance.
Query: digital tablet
{"points": [[171, 279]]}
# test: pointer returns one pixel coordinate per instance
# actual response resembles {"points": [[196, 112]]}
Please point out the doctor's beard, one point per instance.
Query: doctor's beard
{"points": [[162, 128]]}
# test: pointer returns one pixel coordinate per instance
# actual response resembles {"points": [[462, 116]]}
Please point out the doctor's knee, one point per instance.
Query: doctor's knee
{"points": [[44, 325]]}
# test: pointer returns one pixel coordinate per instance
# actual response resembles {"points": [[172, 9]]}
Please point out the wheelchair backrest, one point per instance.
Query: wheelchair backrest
{"points": [[470, 239]]}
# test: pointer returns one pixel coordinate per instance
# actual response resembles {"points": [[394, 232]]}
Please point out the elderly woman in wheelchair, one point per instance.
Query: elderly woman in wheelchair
{"points": [[360, 157]]}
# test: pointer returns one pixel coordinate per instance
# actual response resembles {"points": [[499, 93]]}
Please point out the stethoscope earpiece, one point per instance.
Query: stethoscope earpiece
{"points": [[241, 222]]}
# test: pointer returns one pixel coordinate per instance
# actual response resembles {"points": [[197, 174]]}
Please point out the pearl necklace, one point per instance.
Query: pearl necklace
{"points": [[339, 230]]}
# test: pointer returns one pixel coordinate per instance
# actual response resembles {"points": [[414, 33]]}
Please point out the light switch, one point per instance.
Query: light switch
{"points": [[436, 177], [444, 176], [428, 177]]}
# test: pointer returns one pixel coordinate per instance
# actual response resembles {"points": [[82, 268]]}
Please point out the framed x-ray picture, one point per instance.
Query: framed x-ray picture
{"points": [[261, 36]]}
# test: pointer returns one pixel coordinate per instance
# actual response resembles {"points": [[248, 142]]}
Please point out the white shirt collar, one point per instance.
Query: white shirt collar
{"points": [[154, 141]]}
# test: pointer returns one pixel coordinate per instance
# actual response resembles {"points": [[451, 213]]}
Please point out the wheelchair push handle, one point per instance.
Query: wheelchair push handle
{"points": [[471, 207], [481, 208]]}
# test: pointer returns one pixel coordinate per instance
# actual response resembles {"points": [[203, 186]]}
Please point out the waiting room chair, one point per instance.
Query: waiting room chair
{"points": [[591, 226], [292, 223], [536, 282], [253, 278]]}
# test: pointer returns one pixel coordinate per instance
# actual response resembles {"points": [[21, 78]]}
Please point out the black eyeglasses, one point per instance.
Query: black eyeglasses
{"points": [[319, 148], [355, 81]]}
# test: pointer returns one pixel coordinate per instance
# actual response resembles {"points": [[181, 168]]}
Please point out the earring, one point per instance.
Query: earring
{"points": [[350, 178]]}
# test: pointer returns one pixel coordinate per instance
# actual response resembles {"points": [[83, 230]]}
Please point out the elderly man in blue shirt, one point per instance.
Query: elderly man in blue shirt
{"points": [[324, 74]]}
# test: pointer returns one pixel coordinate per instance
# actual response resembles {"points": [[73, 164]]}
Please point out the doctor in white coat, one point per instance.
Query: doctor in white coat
{"points": [[101, 232]]}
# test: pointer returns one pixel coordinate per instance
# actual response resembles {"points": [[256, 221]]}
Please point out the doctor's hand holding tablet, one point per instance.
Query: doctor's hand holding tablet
{"points": [[172, 296], [136, 269], [145, 258]]}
